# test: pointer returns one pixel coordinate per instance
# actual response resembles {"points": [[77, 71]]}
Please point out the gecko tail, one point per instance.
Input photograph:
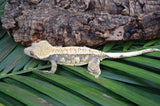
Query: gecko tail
{"points": [[129, 54]]}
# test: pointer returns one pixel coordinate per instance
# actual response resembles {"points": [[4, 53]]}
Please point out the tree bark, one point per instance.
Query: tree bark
{"points": [[81, 22]]}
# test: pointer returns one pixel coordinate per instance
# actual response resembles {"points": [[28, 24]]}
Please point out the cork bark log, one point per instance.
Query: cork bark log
{"points": [[81, 22]]}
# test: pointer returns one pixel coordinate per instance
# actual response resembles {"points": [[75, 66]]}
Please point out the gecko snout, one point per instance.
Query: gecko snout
{"points": [[28, 52]]}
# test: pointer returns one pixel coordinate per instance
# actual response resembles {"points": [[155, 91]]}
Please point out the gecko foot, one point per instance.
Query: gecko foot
{"points": [[96, 75], [53, 68], [93, 67], [49, 71]]}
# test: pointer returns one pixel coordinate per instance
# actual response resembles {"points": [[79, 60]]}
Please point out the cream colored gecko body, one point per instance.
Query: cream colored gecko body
{"points": [[75, 56]]}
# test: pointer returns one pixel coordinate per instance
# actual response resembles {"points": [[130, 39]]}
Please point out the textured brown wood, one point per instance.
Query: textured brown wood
{"points": [[81, 22]]}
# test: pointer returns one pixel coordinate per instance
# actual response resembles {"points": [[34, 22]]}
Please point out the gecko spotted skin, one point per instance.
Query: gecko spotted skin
{"points": [[75, 56]]}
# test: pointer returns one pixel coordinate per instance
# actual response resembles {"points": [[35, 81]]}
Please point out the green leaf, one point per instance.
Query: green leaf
{"points": [[123, 77], [91, 84], [144, 61], [108, 46], [132, 70], [22, 63], [53, 91], [150, 43], [133, 94], [2, 104], [2, 1], [12, 60], [5, 102], [127, 45], [7, 45], [82, 89], [21, 94], [2, 5], [153, 54], [2, 33], [10, 101], [25, 87], [31, 64]]}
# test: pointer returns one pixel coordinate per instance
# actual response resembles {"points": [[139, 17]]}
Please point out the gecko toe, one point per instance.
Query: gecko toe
{"points": [[48, 71]]}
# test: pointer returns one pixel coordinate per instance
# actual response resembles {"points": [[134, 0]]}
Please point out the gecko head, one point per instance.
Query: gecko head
{"points": [[40, 50]]}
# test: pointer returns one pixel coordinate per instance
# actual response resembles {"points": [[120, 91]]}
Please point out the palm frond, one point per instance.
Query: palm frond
{"points": [[128, 81]]}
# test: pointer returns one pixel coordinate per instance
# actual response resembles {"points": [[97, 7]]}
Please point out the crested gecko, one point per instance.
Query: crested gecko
{"points": [[75, 56]]}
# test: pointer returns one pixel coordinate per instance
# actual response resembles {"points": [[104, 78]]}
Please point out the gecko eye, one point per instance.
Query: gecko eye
{"points": [[31, 53]]}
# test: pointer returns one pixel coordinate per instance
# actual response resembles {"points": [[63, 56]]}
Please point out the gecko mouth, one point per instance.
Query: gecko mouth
{"points": [[26, 51]]}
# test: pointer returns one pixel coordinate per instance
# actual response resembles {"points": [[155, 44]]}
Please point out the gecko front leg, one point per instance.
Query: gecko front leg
{"points": [[93, 67], [53, 67]]}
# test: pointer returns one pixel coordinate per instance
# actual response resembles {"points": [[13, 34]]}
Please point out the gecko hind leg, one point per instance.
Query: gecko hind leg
{"points": [[53, 68], [94, 68]]}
